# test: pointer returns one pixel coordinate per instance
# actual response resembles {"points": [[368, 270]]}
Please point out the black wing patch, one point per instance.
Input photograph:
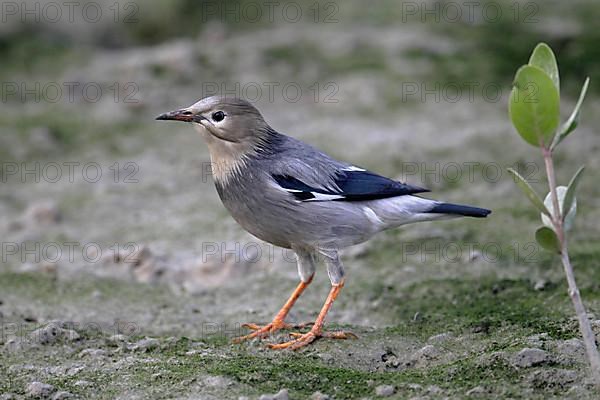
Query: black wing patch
{"points": [[354, 185]]}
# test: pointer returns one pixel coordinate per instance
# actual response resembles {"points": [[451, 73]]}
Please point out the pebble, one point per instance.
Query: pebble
{"points": [[39, 390], [433, 389], [319, 396], [529, 357], [540, 285], [385, 390], [414, 386], [281, 395], [571, 348], [146, 344], [442, 337], [425, 354], [94, 353], [119, 338], [52, 333], [62, 395], [553, 377]]}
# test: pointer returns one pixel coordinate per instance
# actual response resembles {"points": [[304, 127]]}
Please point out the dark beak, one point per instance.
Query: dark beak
{"points": [[179, 115]]}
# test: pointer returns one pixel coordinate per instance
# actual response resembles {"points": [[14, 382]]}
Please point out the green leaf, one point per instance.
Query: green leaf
{"points": [[573, 120], [543, 58], [561, 192], [529, 192], [570, 195], [534, 106], [547, 239]]}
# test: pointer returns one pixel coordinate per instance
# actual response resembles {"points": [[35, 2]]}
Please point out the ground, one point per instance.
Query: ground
{"points": [[133, 283]]}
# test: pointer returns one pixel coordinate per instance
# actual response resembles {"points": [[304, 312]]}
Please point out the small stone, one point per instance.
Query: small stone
{"points": [[70, 335], [529, 357], [94, 353], [442, 337], [119, 338], [62, 395], [385, 390], [46, 335], [39, 390], [572, 348], [281, 395], [433, 389], [14, 344], [146, 344], [319, 396], [52, 333], [425, 354], [217, 381], [540, 285], [553, 378], [476, 391]]}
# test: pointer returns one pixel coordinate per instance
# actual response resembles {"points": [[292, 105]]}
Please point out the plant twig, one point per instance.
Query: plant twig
{"points": [[585, 327]]}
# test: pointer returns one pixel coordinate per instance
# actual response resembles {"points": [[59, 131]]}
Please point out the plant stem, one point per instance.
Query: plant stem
{"points": [[585, 327], [556, 214]]}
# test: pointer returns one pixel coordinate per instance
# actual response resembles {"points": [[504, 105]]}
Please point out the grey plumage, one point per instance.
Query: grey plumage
{"points": [[292, 195]]}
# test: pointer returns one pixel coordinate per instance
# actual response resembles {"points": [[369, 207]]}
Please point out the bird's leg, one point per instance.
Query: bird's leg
{"points": [[306, 270], [279, 319], [303, 339], [336, 275]]}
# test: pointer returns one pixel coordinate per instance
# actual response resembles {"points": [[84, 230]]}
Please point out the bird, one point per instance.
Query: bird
{"points": [[292, 195]]}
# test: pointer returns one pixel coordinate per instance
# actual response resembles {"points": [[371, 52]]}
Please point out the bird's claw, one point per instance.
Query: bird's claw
{"points": [[303, 339], [263, 331]]}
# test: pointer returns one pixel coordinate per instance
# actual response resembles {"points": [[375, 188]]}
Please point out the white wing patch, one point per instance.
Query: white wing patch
{"points": [[353, 168], [324, 197], [315, 196]]}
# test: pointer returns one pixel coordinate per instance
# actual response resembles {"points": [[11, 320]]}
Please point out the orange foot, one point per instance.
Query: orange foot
{"points": [[304, 339], [266, 330]]}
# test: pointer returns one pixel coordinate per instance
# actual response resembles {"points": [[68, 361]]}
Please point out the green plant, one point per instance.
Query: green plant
{"points": [[534, 107]]}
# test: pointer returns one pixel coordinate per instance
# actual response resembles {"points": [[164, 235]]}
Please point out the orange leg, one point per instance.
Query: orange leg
{"points": [[303, 339], [278, 321]]}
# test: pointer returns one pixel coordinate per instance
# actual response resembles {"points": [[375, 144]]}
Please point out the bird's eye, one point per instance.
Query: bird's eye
{"points": [[218, 116]]}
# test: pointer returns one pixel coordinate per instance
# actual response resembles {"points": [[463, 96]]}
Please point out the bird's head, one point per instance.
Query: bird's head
{"points": [[228, 119], [232, 127]]}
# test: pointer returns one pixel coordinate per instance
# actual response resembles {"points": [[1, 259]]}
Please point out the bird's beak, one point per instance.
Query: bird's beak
{"points": [[184, 115]]}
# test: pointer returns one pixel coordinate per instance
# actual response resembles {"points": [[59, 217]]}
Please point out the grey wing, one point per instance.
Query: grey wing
{"points": [[311, 175]]}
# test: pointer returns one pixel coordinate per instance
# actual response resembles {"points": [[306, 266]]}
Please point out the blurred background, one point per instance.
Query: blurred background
{"points": [[110, 220]]}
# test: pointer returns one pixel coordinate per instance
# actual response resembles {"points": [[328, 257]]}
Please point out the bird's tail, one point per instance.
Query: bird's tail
{"points": [[458, 209], [401, 210]]}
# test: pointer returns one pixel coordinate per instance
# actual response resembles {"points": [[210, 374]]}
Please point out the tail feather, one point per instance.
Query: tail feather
{"points": [[457, 209]]}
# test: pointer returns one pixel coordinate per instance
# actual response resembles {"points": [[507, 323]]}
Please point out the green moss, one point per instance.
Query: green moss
{"points": [[485, 305]]}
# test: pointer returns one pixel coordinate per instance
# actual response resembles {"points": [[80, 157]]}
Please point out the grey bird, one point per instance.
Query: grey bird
{"points": [[292, 195]]}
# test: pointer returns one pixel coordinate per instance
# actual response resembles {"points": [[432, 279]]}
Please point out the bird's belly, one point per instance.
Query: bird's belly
{"points": [[315, 224]]}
